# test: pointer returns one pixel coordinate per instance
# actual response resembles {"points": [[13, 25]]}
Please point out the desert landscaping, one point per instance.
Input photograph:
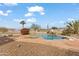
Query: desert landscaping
{"points": [[28, 45], [27, 42], [39, 29]]}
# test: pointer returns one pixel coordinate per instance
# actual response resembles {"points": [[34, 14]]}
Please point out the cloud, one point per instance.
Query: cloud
{"points": [[31, 20], [38, 9], [9, 11], [18, 20], [42, 13], [34, 9], [2, 13], [29, 14], [5, 13], [71, 19], [10, 4]]}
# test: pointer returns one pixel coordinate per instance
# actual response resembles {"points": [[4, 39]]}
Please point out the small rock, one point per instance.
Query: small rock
{"points": [[19, 45]]}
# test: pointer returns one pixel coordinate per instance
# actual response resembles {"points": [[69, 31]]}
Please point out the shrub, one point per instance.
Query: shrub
{"points": [[71, 28], [3, 30]]}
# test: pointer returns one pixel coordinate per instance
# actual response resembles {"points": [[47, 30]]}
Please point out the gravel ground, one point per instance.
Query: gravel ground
{"points": [[33, 49], [26, 46]]}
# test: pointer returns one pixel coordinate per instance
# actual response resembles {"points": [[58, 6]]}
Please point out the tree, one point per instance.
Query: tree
{"points": [[54, 28], [24, 31], [23, 23], [72, 27], [35, 27]]}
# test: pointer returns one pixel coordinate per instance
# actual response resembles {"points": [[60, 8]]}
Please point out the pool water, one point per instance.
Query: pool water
{"points": [[50, 37]]}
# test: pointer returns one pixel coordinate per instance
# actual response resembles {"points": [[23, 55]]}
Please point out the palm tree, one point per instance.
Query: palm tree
{"points": [[23, 23], [72, 27]]}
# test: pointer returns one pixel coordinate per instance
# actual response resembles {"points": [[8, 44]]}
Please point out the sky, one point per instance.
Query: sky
{"points": [[43, 14]]}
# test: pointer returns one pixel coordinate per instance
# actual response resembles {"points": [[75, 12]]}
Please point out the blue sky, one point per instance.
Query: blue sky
{"points": [[41, 13]]}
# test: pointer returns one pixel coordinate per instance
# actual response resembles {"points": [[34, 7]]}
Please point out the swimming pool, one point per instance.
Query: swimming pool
{"points": [[50, 37]]}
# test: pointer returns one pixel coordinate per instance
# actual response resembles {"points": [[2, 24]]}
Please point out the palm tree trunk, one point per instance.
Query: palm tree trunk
{"points": [[23, 26]]}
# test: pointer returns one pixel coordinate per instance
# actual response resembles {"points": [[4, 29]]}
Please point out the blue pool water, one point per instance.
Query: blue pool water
{"points": [[50, 37]]}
